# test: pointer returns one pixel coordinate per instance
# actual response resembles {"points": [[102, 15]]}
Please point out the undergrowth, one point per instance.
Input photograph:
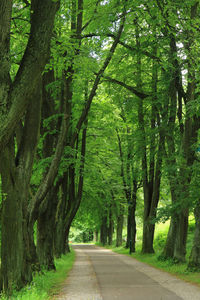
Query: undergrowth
{"points": [[46, 285]]}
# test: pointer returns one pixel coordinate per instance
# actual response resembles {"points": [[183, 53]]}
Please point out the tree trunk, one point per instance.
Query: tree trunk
{"points": [[148, 228], [17, 251], [120, 222], [96, 236], [104, 231], [46, 230], [181, 236], [148, 236], [131, 229], [110, 228], [168, 251], [47, 209], [12, 249], [16, 174], [177, 235], [131, 221], [59, 238], [194, 260], [66, 240]]}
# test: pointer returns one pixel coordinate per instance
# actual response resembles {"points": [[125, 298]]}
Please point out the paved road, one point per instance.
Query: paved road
{"points": [[100, 274]]}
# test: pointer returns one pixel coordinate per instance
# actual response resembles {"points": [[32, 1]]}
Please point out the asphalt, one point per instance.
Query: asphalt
{"points": [[100, 274]]}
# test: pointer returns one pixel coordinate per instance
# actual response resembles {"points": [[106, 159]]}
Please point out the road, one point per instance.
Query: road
{"points": [[100, 274]]}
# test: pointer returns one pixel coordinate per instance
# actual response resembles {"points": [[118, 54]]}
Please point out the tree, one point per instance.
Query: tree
{"points": [[17, 98]]}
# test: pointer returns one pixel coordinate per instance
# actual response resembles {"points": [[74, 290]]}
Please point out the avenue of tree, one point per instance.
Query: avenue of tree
{"points": [[99, 110]]}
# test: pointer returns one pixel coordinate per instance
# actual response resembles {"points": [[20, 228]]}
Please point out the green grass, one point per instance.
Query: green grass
{"points": [[179, 270], [48, 284]]}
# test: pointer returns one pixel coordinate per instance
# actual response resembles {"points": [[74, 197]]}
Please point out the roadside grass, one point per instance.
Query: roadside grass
{"points": [[179, 270], [48, 284]]}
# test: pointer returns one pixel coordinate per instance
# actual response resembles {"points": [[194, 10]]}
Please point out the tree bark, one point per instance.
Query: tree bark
{"points": [[59, 237], [110, 228], [104, 231], [12, 250], [96, 236], [17, 252], [120, 223], [194, 260], [131, 226], [5, 22], [46, 231]]}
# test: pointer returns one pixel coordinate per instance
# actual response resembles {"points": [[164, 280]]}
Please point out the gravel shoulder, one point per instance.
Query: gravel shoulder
{"points": [[100, 274]]}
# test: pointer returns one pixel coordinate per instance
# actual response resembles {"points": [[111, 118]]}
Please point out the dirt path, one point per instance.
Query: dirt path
{"points": [[100, 274]]}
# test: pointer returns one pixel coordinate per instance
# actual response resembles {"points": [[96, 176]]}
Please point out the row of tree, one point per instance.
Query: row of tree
{"points": [[153, 131], [139, 61]]}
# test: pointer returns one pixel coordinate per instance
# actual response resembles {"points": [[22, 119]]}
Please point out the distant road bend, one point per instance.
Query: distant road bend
{"points": [[100, 274]]}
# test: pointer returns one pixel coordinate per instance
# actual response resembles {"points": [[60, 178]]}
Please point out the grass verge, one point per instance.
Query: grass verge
{"points": [[48, 284]]}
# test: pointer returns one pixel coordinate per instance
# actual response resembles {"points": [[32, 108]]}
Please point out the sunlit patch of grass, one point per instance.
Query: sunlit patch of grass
{"points": [[48, 284]]}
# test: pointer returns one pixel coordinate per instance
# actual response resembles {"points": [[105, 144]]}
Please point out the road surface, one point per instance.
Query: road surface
{"points": [[100, 274]]}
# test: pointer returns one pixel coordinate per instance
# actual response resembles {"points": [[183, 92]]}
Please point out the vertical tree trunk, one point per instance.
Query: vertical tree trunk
{"points": [[148, 179], [131, 229], [110, 228], [131, 218], [177, 235], [16, 174], [168, 251], [131, 195], [127, 192], [181, 236], [47, 209], [96, 236], [66, 239], [194, 260], [46, 230], [148, 228], [120, 223], [59, 238], [104, 231], [12, 249]]}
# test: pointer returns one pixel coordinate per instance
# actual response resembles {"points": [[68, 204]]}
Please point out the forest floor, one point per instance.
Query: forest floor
{"points": [[100, 274]]}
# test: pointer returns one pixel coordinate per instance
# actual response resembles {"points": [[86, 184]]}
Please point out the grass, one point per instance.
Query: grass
{"points": [[179, 270], [48, 284]]}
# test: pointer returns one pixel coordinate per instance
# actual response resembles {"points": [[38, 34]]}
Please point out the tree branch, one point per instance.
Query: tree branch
{"points": [[128, 87], [49, 179], [131, 48], [96, 82]]}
